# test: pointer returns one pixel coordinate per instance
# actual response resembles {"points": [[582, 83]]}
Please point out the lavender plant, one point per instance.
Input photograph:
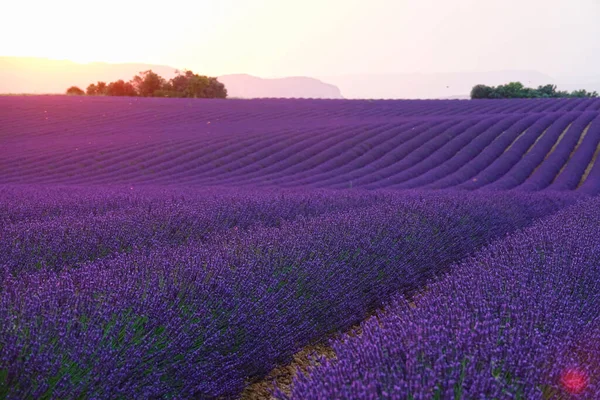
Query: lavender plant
{"points": [[521, 319]]}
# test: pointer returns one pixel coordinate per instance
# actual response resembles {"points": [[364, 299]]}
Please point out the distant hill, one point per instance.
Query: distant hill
{"points": [[428, 85], [41, 75], [248, 86], [361, 144], [455, 85]]}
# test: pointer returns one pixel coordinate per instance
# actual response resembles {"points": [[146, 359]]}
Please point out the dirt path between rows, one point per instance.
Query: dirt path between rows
{"points": [[281, 377]]}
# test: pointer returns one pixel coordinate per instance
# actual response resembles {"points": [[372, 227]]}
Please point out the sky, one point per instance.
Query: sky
{"points": [[273, 38]]}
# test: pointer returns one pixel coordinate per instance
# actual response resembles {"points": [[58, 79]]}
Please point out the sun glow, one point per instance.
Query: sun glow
{"points": [[313, 37], [116, 31]]}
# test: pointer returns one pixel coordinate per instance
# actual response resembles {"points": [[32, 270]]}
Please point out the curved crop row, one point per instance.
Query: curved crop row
{"points": [[504, 144], [199, 319], [50, 233], [519, 320]]}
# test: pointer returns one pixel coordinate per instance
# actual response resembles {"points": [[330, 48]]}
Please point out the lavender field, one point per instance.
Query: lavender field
{"points": [[185, 248]]}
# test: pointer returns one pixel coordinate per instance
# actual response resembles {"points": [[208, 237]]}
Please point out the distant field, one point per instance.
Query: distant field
{"points": [[529, 144], [186, 248]]}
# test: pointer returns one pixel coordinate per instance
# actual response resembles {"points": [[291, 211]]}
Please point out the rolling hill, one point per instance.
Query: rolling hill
{"points": [[247, 86], [508, 144], [190, 248], [42, 76]]}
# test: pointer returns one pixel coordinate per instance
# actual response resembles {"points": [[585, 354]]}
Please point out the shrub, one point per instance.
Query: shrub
{"points": [[75, 91], [120, 88]]}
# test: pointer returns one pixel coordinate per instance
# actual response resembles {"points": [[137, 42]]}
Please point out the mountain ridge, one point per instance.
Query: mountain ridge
{"points": [[250, 86], [35, 75]]}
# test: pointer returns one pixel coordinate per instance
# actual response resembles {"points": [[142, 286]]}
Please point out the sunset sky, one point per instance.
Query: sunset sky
{"points": [[312, 37]]}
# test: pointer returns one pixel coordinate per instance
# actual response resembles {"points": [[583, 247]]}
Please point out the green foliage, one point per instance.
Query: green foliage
{"points": [[98, 89], [513, 90], [583, 93], [120, 88], [189, 84], [75, 91], [91, 90], [101, 88], [547, 91], [481, 92], [147, 83], [516, 90], [150, 84]]}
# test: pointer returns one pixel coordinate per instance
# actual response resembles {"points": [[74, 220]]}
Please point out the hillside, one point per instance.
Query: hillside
{"points": [[39, 75], [530, 144], [247, 86], [445, 85], [193, 249]]}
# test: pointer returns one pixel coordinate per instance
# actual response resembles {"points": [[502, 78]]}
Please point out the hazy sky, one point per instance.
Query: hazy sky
{"points": [[312, 37]]}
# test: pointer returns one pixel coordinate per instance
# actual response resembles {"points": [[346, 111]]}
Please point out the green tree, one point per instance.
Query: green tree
{"points": [[120, 88], [583, 93], [547, 91], [101, 88], [516, 90], [91, 90], [481, 92], [216, 90], [512, 90], [181, 82], [150, 84], [75, 91], [188, 84], [147, 83], [197, 86]]}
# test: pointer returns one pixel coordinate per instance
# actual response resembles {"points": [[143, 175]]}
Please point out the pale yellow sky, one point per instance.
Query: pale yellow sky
{"points": [[311, 37]]}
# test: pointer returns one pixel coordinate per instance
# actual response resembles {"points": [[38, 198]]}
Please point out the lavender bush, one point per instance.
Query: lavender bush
{"points": [[521, 319], [201, 317], [183, 248], [504, 144]]}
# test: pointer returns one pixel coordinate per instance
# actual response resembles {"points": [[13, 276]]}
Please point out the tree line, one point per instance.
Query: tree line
{"points": [[150, 84], [516, 90]]}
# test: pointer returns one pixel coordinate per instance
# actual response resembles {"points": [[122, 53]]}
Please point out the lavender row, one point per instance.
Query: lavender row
{"points": [[522, 169], [391, 136], [321, 149], [376, 159], [465, 141], [554, 161], [298, 143], [202, 320], [519, 320], [421, 149], [66, 227], [571, 175], [60, 110], [482, 159], [456, 158], [511, 155]]}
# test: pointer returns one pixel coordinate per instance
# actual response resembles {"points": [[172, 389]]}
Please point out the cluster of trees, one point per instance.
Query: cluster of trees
{"points": [[516, 90], [118, 88], [150, 84]]}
